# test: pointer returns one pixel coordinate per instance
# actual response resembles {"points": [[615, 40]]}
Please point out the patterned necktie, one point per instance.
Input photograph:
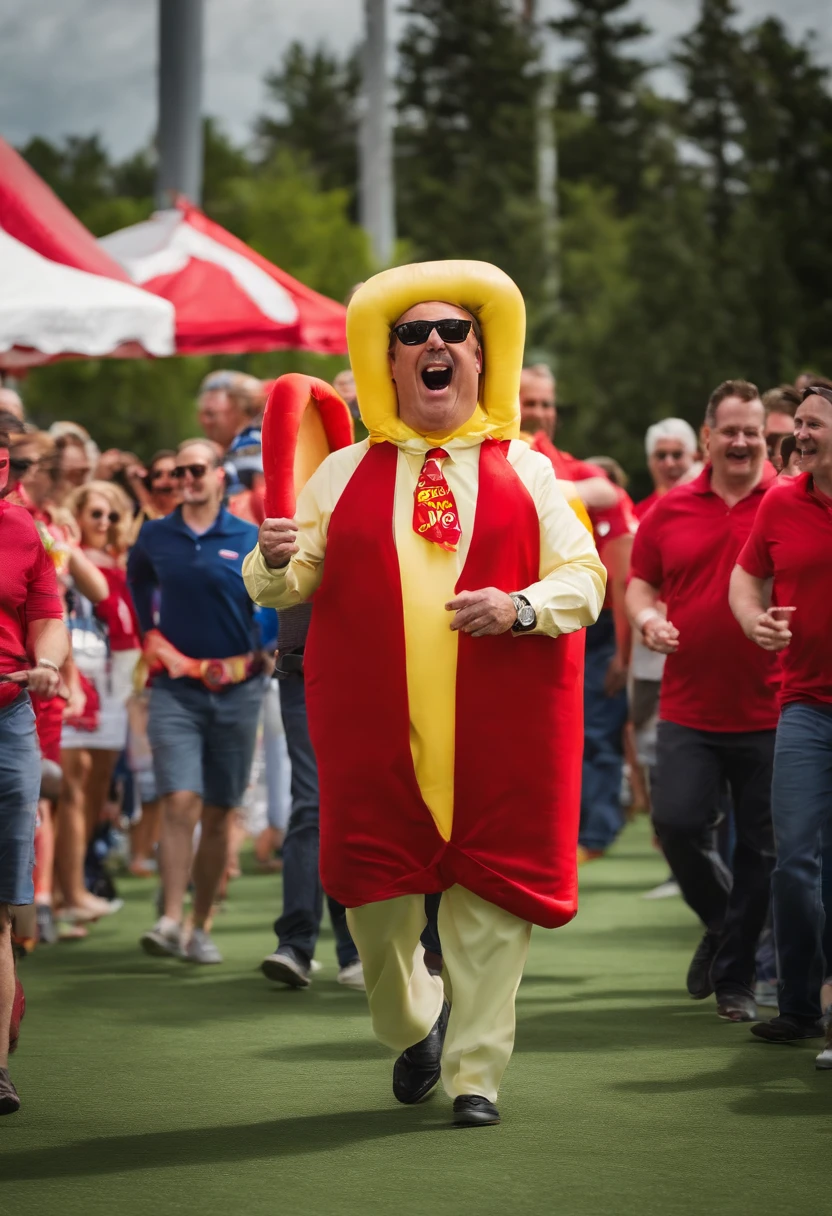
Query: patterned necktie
{"points": [[434, 508]]}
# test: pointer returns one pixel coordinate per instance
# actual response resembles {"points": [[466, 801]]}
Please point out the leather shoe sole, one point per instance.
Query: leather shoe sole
{"points": [[470, 1110], [417, 1070], [736, 1009]]}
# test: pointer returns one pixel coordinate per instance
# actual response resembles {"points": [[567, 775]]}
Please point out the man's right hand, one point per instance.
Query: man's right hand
{"points": [[769, 632], [277, 541], [660, 635]]}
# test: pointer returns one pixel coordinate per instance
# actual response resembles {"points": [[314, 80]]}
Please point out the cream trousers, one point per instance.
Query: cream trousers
{"points": [[484, 949]]}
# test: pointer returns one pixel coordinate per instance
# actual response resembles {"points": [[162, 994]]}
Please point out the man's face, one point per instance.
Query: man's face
{"points": [[736, 441], [32, 471], [813, 433], [201, 479], [76, 469], [669, 462], [777, 425], [437, 383], [538, 411], [4, 470], [219, 416]]}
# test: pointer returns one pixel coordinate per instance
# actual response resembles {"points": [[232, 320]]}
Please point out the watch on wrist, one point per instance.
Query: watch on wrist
{"points": [[526, 615]]}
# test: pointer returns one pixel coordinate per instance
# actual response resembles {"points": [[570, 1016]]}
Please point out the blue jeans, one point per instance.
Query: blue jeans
{"points": [[604, 718], [802, 810], [19, 790], [300, 922]]}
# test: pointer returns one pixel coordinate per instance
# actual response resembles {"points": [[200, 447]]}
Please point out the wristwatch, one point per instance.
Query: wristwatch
{"points": [[526, 615]]}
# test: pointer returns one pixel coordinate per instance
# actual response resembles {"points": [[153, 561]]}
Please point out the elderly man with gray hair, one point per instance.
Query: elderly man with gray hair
{"points": [[672, 448]]}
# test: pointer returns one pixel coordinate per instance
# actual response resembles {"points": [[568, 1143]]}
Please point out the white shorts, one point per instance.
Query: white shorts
{"points": [[113, 680]]}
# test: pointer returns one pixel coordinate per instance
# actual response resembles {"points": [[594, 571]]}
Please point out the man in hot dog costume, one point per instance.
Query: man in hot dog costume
{"points": [[444, 704]]}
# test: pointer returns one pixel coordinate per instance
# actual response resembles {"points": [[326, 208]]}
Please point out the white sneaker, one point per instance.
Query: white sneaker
{"points": [[201, 949], [352, 976], [665, 890], [164, 940]]}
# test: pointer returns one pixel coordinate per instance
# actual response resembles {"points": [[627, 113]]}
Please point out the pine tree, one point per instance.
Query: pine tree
{"points": [[317, 95], [603, 82], [465, 167]]}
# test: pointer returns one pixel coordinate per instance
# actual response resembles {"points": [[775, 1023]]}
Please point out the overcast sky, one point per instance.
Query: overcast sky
{"points": [[84, 66]]}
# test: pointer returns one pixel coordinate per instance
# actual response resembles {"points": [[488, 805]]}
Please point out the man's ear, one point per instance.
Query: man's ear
{"points": [[479, 360], [391, 358]]}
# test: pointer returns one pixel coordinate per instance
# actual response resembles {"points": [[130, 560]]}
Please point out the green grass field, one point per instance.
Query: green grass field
{"points": [[151, 1087]]}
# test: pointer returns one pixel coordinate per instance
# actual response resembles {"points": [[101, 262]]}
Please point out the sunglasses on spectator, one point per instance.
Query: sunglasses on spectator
{"points": [[668, 455], [196, 471], [97, 514], [416, 333], [158, 474], [21, 465]]}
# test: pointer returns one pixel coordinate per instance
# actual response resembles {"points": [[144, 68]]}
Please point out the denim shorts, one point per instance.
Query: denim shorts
{"points": [[204, 741], [19, 791]]}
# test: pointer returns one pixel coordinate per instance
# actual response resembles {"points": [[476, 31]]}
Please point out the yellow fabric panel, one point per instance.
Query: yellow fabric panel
{"points": [[480, 288]]}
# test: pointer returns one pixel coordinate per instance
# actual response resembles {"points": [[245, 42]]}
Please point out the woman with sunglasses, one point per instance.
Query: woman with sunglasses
{"points": [[105, 645], [158, 492]]}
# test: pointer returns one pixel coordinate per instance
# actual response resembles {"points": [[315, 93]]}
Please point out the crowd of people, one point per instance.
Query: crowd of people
{"points": [[707, 691]]}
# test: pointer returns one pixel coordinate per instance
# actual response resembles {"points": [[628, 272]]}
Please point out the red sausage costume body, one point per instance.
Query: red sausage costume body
{"points": [[447, 761]]}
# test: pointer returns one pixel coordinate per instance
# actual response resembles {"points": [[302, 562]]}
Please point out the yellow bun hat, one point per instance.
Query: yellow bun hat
{"points": [[481, 289]]}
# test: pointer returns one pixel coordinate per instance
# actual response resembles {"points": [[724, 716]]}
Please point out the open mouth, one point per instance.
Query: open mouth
{"points": [[437, 377], [738, 455]]}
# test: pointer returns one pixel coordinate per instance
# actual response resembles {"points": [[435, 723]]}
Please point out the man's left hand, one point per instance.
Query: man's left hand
{"points": [[483, 613]]}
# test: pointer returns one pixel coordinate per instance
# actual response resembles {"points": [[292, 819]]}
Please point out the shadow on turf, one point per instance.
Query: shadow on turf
{"points": [[275, 1138]]}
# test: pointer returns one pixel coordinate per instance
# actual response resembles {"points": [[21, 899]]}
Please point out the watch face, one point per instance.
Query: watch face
{"points": [[526, 615]]}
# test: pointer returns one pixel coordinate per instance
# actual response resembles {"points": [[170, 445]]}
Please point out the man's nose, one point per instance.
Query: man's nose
{"points": [[434, 342]]}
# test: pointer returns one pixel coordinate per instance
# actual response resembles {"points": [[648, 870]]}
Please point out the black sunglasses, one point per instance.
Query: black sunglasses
{"points": [[113, 516], [196, 470], [416, 333], [817, 390], [158, 474], [21, 465]]}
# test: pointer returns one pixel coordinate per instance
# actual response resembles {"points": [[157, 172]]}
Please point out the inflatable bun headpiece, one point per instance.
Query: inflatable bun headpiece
{"points": [[480, 288]]}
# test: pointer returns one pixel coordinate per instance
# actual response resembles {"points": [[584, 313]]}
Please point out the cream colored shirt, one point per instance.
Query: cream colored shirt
{"points": [[568, 595]]}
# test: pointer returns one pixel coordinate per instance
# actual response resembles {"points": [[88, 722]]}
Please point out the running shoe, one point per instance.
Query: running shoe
{"points": [[201, 949], [352, 976], [164, 940]]}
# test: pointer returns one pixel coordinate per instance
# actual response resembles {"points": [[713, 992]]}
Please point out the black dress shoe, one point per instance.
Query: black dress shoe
{"points": [[470, 1110], [736, 1007], [417, 1070], [699, 972], [9, 1101], [786, 1029]]}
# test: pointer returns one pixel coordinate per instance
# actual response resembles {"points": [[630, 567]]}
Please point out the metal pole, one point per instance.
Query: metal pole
{"points": [[376, 184], [180, 101]]}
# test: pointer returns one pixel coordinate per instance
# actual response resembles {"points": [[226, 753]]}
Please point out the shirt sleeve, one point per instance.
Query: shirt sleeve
{"points": [[42, 600], [570, 591], [755, 557], [646, 561], [296, 582], [142, 581]]}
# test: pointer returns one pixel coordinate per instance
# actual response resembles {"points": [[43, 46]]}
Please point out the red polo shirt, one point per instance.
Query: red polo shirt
{"points": [[687, 546], [609, 525], [641, 508], [791, 542], [566, 466], [28, 591]]}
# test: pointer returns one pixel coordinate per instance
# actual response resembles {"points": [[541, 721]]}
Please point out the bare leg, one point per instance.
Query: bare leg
{"points": [[71, 843], [211, 860], [144, 837], [180, 815], [99, 779], [44, 853], [6, 982]]}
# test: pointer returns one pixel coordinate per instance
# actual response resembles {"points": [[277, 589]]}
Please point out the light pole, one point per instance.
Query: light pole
{"points": [[376, 182], [180, 101]]}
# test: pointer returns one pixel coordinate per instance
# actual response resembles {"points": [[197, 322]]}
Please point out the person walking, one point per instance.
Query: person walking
{"points": [[717, 708], [781, 595], [33, 646], [435, 666], [207, 690]]}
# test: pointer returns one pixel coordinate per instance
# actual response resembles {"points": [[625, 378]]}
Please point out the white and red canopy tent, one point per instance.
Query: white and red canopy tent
{"points": [[60, 294], [228, 298]]}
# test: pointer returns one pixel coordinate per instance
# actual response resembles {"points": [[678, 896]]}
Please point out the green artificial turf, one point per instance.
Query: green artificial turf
{"points": [[153, 1087]]}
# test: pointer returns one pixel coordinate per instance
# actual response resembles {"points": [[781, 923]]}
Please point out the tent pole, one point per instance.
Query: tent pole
{"points": [[179, 137]]}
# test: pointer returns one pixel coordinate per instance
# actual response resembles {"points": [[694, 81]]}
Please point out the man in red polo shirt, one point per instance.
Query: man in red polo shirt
{"points": [[539, 418], [791, 544], [717, 710], [33, 645]]}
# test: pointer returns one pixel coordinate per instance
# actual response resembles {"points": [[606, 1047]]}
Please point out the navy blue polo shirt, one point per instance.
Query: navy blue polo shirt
{"points": [[204, 608]]}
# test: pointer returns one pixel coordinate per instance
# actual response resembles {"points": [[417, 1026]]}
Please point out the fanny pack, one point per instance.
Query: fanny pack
{"points": [[160, 655]]}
